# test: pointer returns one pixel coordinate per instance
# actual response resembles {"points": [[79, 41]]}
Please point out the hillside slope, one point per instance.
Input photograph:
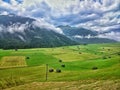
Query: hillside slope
{"points": [[21, 32]]}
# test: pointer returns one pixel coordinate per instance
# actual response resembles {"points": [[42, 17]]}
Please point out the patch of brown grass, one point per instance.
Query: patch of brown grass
{"points": [[73, 85], [12, 61]]}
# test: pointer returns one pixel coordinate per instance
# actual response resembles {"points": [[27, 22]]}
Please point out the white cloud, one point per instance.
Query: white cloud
{"points": [[42, 24], [4, 13], [78, 36], [111, 35], [101, 16], [14, 28]]}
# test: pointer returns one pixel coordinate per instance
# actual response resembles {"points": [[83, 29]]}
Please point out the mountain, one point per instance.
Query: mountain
{"points": [[20, 32], [72, 31], [24, 32], [82, 35]]}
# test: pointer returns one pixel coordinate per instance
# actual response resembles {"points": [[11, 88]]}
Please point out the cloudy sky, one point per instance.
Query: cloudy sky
{"points": [[98, 15]]}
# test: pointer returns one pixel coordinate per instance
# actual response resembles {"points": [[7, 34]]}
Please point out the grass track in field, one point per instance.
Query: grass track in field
{"points": [[12, 61]]}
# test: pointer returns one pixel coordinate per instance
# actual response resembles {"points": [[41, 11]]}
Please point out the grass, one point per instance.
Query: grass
{"points": [[78, 66], [74, 85], [10, 82], [13, 61]]}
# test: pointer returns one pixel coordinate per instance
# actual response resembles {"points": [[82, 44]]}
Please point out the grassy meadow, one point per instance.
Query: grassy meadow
{"points": [[83, 67]]}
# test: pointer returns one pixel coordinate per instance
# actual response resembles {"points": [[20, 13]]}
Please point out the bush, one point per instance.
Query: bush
{"points": [[63, 65], [94, 68], [58, 70], [51, 70]]}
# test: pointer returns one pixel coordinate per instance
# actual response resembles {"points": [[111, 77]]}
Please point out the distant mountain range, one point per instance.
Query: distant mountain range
{"points": [[83, 35], [20, 32]]}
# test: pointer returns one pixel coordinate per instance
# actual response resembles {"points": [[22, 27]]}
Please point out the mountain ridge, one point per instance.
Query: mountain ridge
{"points": [[21, 32]]}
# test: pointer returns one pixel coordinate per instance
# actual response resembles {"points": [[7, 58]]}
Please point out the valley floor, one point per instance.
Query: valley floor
{"points": [[83, 67]]}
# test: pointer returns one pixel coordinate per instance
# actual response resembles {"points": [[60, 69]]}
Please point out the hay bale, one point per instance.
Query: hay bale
{"points": [[119, 53], [104, 57], [58, 70], [94, 68], [80, 53], [27, 57], [108, 49], [60, 60], [63, 65], [51, 70]]}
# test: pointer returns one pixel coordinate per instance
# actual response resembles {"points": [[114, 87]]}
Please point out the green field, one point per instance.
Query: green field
{"points": [[86, 67]]}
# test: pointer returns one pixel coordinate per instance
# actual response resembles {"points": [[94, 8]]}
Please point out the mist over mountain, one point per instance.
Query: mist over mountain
{"points": [[47, 23], [83, 35], [22, 32]]}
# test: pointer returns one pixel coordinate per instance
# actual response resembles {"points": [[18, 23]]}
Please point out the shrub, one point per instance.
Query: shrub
{"points": [[94, 68], [51, 70], [58, 70], [63, 65]]}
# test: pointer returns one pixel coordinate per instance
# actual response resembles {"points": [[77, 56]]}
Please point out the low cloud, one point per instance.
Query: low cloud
{"points": [[14, 28], [110, 35], [43, 24], [96, 15]]}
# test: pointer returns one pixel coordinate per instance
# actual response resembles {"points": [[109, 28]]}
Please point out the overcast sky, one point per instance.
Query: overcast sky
{"points": [[99, 15]]}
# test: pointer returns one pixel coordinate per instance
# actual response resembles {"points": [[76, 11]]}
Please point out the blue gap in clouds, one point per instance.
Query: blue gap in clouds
{"points": [[8, 1], [20, 1]]}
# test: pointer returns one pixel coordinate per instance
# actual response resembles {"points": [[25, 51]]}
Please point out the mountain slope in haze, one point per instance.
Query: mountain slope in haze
{"points": [[72, 31], [20, 32], [83, 35]]}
